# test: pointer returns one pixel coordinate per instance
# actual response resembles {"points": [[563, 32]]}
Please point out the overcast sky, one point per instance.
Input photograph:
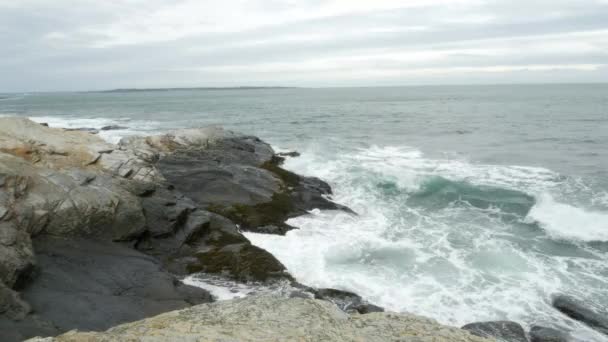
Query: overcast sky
{"points": [[95, 44]]}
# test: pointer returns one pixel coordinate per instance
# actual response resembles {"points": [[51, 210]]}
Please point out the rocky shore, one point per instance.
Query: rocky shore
{"points": [[275, 319], [95, 235]]}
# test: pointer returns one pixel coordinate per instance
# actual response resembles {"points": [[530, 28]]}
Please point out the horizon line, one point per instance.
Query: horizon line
{"points": [[216, 88]]}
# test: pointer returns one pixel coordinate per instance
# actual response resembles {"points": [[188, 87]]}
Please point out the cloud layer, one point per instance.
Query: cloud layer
{"points": [[91, 44]]}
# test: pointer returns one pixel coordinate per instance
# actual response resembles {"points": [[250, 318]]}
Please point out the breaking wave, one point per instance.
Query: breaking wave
{"points": [[447, 238]]}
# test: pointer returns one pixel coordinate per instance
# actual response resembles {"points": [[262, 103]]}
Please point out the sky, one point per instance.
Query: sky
{"points": [[92, 44]]}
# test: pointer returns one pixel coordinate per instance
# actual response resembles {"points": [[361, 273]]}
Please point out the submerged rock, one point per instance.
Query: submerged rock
{"points": [[503, 331], [276, 319], [577, 310], [545, 334]]}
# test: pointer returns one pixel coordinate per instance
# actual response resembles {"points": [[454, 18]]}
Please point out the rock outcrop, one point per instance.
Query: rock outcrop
{"points": [[503, 331], [274, 319], [546, 334], [577, 310], [92, 234]]}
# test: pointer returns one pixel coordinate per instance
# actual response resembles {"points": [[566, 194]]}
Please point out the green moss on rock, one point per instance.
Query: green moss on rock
{"points": [[289, 178], [273, 213], [244, 262]]}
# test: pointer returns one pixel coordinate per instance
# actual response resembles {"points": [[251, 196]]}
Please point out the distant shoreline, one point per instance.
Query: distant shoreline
{"points": [[133, 90]]}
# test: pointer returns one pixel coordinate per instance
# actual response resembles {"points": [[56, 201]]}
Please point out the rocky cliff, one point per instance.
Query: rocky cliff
{"points": [[93, 234]]}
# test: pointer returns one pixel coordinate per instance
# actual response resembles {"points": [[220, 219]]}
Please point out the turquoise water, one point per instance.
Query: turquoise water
{"points": [[475, 202]]}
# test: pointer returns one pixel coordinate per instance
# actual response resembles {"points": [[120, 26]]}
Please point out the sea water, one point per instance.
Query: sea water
{"points": [[474, 203]]}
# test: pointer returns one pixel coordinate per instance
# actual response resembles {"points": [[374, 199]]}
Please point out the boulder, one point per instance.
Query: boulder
{"points": [[112, 128], [267, 318], [503, 331], [545, 334], [579, 311], [346, 301]]}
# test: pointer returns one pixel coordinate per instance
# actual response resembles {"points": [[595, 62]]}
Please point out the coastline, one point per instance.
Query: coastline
{"points": [[173, 200], [95, 234]]}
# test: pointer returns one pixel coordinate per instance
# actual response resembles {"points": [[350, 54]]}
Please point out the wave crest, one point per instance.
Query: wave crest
{"points": [[439, 192], [567, 222]]}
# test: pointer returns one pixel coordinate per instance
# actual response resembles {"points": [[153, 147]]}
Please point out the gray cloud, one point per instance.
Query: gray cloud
{"points": [[85, 44]]}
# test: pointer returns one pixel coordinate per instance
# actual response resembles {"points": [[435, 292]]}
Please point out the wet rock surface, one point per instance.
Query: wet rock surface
{"points": [[346, 301], [503, 331], [579, 311], [545, 334]]}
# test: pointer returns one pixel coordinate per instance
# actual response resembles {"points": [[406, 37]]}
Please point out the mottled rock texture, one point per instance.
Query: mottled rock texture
{"points": [[92, 234], [275, 319], [503, 331]]}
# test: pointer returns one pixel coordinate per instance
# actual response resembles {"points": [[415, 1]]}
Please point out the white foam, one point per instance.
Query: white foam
{"points": [[12, 97], [457, 264], [131, 127], [564, 221], [225, 289], [220, 289]]}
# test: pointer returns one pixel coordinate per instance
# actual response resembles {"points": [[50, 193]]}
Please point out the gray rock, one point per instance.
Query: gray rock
{"points": [[83, 129], [346, 301], [242, 261], [545, 334], [239, 177], [3, 212], [291, 154], [11, 330], [93, 285], [579, 311], [276, 319], [188, 239], [503, 331], [11, 305], [16, 255], [76, 195], [112, 128]]}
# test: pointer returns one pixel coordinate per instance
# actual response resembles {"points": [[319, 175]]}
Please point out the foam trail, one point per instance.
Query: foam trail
{"points": [[563, 221], [220, 290], [225, 289]]}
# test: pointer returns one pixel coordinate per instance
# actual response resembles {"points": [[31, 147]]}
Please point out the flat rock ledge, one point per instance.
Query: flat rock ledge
{"points": [[267, 318]]}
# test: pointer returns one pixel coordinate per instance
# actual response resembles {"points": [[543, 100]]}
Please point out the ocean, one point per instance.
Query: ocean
{"points": [[475, 203]]}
